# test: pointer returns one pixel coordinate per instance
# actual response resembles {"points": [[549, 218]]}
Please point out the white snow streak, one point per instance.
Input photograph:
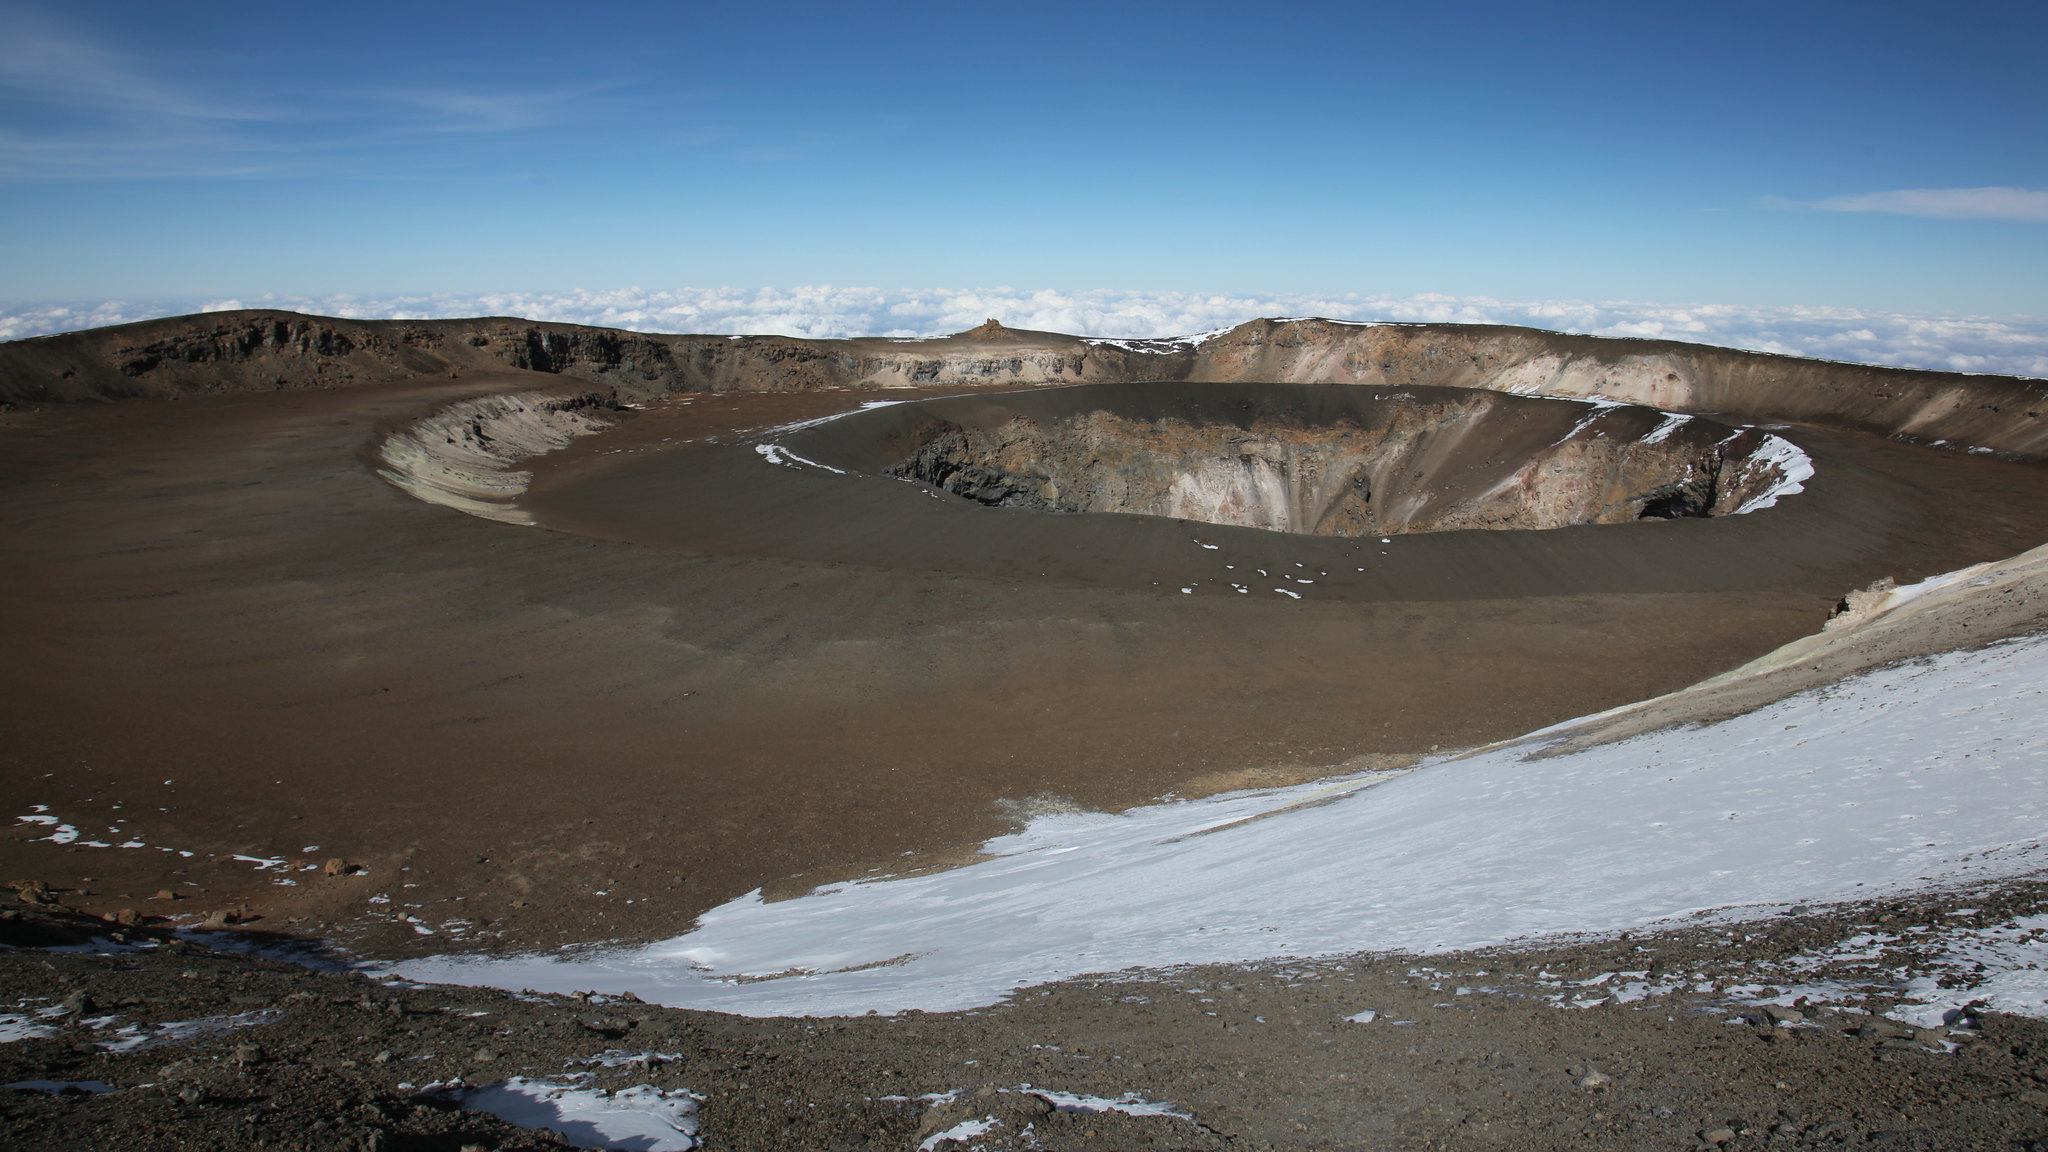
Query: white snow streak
{"points": [[777, 454], [960, 1133], [1130, 1103], [1673, 421]]}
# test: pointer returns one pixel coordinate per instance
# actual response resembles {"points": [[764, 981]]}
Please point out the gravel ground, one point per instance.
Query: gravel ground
{"points": [[1526, 1049]]}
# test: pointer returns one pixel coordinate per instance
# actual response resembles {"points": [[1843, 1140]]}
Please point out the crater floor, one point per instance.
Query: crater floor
{"points": [[709, 673]]}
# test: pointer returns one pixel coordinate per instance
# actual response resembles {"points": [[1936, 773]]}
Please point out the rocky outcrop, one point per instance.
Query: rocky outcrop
{"points": [[1315, 459], [223, 352], [462, 456]]}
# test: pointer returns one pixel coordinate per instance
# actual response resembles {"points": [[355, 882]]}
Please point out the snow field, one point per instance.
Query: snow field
{"points": [[1919, 775]]}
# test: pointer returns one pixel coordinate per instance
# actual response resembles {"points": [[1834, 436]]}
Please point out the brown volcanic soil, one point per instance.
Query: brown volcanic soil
{"points": [[235, 640], [227, 636]]}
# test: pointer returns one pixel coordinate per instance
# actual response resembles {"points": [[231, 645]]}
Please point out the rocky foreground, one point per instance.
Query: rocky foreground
{"points": [[1656, 1041]]}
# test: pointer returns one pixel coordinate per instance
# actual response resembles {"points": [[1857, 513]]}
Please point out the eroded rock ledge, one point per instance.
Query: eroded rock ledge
{"points": [[462, 456]]}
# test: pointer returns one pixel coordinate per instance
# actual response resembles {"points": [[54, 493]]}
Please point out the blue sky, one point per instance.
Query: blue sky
{"points": [[1862, 156]]}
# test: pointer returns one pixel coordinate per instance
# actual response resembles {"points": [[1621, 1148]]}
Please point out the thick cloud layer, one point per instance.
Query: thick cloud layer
{"points": [[1997, 344]]}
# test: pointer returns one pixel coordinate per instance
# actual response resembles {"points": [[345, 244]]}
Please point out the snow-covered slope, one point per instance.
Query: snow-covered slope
{"points": [[1922, 774]]}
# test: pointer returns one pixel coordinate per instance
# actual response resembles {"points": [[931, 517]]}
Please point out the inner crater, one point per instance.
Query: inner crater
{"points": [[1317, 459]]}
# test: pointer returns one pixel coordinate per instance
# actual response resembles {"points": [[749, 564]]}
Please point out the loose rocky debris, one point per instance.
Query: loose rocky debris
{"points": [[1768, 1034]]}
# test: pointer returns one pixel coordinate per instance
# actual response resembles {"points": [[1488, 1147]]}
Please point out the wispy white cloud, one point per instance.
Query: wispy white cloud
{"points": [[484, 109], [1945, 203], [44, 61], [73, 107], [76, 107], [2007, 345]]}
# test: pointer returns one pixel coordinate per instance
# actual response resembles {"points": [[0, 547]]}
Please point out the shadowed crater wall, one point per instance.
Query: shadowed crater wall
{"points": [[1324, 460]]}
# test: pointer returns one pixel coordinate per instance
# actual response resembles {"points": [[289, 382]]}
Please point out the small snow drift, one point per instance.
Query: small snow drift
{"points": [[1323, 460]]}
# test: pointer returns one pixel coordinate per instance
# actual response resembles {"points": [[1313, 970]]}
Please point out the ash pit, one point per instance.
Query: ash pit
{"points": [[1316, 459]]}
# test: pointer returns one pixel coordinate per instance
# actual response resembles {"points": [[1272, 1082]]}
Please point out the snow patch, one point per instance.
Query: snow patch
{"points": [[962, 1132], [1793, 467], [1130, 1103], [142, 1037], [642, 1117], [29, 1025], [59, 833], [2002, 968]]}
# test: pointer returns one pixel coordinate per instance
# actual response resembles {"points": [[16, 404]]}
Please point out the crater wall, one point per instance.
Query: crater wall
{"points": [[1321, 460], [266, 350], [2001, 413]]}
